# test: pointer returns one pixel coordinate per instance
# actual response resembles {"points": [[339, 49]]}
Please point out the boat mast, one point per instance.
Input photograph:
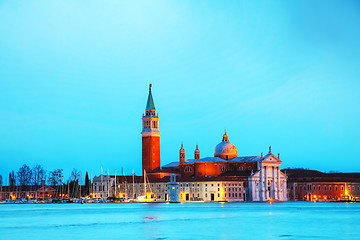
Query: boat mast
{"points": [[125, 184], [91, 185], [115, 183], [68, 190], [102, 183], [80, 186], [133, 187], [145, 182], [108, 184]]}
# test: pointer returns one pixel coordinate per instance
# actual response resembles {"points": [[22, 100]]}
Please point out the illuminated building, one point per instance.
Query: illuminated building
{"points": [[224, 177], [311, 185], [27, 192]]}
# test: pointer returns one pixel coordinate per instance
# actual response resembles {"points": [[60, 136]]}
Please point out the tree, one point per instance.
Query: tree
{"points": [[74, 183], [12, 179], [39, 174], [55, 177], [87, 184], [75, 175], [24, 175]]}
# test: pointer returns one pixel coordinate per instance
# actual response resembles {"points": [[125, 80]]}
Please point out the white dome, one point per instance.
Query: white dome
{"points": [[225, 149]]}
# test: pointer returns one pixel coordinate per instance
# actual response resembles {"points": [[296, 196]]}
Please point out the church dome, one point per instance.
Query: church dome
{"points": [[225, 150]]}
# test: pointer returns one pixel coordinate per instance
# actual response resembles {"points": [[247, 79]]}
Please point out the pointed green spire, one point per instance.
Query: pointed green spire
{"points": [[150, 102]]}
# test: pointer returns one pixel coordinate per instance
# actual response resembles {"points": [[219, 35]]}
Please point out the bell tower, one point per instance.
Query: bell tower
{"points": [[150, 137], [197, 152], [182, 154]]}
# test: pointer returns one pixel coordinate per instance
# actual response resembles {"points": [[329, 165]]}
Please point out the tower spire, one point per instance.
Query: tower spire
{"points": [[150, 102]]}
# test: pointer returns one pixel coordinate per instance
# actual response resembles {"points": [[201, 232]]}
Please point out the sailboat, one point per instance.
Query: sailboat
{"points": [[148, 195]]}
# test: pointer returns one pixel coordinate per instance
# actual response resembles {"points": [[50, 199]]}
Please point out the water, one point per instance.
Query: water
{"points": [[287, 220]]}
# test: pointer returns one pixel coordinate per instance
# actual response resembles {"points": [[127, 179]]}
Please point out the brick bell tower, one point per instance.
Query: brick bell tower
{"points": [[150, 137]]}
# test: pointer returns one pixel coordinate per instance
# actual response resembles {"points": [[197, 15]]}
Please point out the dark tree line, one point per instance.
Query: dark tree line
{"points": [[27, 175]]}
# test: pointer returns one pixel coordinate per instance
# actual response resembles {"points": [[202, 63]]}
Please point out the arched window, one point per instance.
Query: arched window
{"points": [[188, 169], [223, 169], [241, 168]]}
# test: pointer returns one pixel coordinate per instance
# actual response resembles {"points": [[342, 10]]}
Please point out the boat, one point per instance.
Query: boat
{"points": [[350, 198], [148, 196]]}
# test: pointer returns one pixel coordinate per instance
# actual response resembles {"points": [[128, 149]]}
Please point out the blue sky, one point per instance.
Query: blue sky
{"points": [[74, 81]]}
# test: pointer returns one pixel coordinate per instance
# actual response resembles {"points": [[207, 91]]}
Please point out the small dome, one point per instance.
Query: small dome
{"points": [[225, 150]]}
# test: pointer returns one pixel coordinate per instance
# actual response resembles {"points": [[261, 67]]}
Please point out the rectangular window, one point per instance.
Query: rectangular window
{"points": [[300, 187], [325, 188]]}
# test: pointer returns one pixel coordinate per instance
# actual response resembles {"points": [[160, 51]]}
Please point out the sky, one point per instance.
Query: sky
{"points": [[74, 78]]}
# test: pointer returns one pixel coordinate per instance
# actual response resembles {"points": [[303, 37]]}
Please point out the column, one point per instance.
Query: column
{"points": [[266, 183], [273, 189], [278, 182], [261, 187]]}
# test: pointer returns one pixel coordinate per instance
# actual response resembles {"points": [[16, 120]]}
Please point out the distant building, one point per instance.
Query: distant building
{"points": [[190, 189], [27, 192], [311, 185]]}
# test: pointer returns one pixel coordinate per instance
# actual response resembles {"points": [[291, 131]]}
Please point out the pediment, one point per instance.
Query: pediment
{"points": [[271, 158]]}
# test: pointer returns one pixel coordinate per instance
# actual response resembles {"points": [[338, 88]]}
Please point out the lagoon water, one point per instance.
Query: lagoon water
{"points": [[289, 220]]}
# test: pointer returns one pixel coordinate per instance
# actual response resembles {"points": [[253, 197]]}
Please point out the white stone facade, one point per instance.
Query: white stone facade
{"points": [[268, 182]]}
